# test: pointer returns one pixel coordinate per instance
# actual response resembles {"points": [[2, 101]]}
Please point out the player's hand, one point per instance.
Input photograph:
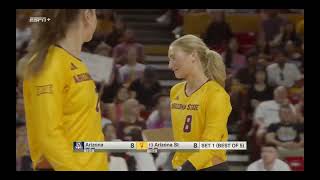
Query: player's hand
{"points": [[187, 166]]}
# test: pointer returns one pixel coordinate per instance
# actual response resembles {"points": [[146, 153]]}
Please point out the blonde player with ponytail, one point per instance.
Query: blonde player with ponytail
{"points": [[200, 106]]}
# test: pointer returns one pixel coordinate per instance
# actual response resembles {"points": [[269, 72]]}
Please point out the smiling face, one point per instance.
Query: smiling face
{"points": [[180, 62]]}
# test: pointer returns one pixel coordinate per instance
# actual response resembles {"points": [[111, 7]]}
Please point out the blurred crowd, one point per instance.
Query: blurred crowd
{"points": [[265, 82]]}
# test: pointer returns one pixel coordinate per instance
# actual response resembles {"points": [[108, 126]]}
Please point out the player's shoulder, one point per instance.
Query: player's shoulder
{"points": [[177, 87], [57, 57], [212, 87]]}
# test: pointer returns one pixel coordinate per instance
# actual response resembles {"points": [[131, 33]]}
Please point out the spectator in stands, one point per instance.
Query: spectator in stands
{"points": [[17, 83], [282, 73], [144, 161], [130, 128], [233, 59], [295, 93], [119, 161], [109, 131], [237, 97], [105, 19], [260, 90], [165, 18], [158, 97], [300, 29], [163, 161], [271, 25], [290, 34], [105, 115], [23, 34], [287, 33], [263, 51], [218, 32], [22, 149], [115, 37], [160, 117], [19, 87], [20, 114], [267, 112], [116, 108], [300, 108], [246, 75], [116, 163], [24, 162], [269, 160], [294, 56], [120, 52], [287, 133], [302, 54], [173, 18], [103, 49], [132, 70], [144, 88], [110, 90]]}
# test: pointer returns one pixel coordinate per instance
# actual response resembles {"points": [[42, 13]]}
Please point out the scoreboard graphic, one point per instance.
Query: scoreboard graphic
{"points": [[154, 147]]}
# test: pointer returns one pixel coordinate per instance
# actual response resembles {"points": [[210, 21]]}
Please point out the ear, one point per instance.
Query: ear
{"points": [[194, 56], [87, 14]]}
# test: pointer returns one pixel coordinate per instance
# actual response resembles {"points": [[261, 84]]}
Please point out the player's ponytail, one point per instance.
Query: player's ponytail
{"points": [[214, 67], [212, 63], [46, 34]]}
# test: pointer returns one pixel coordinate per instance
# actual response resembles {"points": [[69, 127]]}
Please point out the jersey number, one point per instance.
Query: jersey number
{"points": [[187, 124]]}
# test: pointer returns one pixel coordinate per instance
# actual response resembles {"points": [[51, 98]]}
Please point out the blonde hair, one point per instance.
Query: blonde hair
{"points": [[127, 108], [211, 61]]}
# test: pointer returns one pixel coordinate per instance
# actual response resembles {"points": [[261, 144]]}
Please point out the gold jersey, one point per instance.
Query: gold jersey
{"points": [[62, 106], [201, 116]]}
